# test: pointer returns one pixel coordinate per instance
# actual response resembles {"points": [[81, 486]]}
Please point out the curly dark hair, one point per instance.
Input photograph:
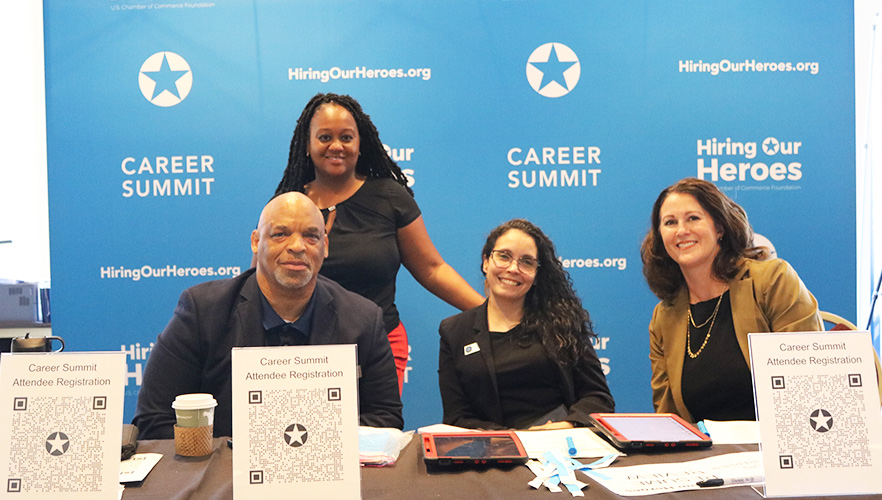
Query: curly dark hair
{"points": [[553, 313], [663, 274], [373, 161]]}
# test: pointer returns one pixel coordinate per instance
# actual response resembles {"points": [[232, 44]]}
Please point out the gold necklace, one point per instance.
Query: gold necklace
{"points": [[712, 319], [692, 320]]}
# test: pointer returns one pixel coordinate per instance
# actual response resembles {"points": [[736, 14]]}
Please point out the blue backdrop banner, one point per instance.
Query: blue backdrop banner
{"points": [[169, 126]]}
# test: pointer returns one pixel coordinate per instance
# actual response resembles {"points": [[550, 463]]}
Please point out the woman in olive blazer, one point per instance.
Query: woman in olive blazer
{"points": [[715, 287]]}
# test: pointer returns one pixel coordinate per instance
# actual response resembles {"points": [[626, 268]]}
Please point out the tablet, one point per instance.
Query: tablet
{"points": [[472, 449], [649, 431]]}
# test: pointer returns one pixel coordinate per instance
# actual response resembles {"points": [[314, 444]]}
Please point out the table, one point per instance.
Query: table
{"points": [[210, 478]]}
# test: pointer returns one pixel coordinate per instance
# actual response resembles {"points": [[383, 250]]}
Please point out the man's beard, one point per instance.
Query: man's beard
{"points": [[295, 280]]}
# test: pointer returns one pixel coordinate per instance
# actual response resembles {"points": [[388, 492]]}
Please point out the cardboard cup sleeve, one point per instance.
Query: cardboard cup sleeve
{"points": [[194, 441]]}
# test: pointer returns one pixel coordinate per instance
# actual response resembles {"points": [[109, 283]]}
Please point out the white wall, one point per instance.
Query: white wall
{"points": [[23, 191], [868, 129]]}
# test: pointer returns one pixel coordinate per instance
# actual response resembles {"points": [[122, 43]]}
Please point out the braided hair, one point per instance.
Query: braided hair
{"points": [[553, 313], [373, 161]]}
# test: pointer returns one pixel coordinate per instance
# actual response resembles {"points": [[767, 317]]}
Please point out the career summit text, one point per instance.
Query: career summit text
{"points": [[61, 381], [293, 374]]}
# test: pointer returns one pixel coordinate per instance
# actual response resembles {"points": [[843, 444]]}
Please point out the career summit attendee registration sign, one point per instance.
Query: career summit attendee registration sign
{"points": [[63, 418], [295, 422], [817, 401]]}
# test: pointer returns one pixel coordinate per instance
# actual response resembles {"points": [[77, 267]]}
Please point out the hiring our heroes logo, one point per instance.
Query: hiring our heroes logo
{"points": [[165, 79], [731, 160]]}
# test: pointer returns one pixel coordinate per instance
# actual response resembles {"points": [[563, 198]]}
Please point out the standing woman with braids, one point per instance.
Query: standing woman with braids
{"points": [[699, 259], [524, 358], [373, 223]]}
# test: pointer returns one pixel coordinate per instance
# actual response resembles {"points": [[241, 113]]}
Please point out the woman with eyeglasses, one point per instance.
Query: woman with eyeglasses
{"points": [[524, 358]]}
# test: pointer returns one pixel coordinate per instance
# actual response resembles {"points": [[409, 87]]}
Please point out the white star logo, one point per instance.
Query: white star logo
{"points": [[165, 79], [770, 146], [553, 70]]}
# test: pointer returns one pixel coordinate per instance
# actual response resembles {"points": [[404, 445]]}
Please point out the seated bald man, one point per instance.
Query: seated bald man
{"points": [[283, 301]]}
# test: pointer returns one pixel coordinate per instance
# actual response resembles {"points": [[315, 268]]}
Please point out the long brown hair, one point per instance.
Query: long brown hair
{"points": [[662, 274], [553, 313]]}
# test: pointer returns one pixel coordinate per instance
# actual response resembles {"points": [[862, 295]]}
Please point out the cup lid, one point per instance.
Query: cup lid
{"points": [[194, 402]]}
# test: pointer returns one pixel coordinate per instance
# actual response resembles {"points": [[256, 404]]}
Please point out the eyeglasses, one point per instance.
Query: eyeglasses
{"points": [[503, 259]]}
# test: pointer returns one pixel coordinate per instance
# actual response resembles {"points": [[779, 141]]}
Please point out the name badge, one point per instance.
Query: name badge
{"points": [[471, 348]]}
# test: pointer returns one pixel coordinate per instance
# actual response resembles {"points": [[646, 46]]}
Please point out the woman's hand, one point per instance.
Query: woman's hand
{"points": [[550, 426]]}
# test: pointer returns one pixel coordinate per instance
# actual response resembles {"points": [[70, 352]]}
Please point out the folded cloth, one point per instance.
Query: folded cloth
{"points": [[379, 446], [129, 441]]}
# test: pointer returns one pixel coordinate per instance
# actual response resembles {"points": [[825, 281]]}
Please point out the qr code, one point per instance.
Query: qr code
{"points": [[56, 444], [820, 421], [295, 435]]}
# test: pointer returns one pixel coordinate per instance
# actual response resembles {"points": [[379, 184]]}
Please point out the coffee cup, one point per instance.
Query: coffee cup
{"points": [[194, 430], [35, 344]]}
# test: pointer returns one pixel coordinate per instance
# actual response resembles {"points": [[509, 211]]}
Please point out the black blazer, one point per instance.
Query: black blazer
{"points": [[193, 353], [469, 391]]}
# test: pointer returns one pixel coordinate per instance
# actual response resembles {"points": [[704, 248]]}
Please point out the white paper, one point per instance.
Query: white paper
{"points": [[442, 428], [63, 413], [818, 406], [137, 467], [588, 444], [295, 421], [638, 480], [733, 431]]}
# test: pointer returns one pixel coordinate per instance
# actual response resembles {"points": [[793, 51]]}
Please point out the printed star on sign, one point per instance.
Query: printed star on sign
{"points": [[295, 435], [821, 420], [57, 443]]}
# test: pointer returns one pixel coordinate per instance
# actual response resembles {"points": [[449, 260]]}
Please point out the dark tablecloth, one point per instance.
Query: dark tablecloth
{"points": [[210, 478]]}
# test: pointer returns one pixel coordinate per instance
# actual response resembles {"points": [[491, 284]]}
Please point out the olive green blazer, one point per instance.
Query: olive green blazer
{"points": [[766, 296]]}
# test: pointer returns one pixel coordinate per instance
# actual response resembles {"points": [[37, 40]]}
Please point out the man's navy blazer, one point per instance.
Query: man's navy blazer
{"points": [[192, 354]]}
